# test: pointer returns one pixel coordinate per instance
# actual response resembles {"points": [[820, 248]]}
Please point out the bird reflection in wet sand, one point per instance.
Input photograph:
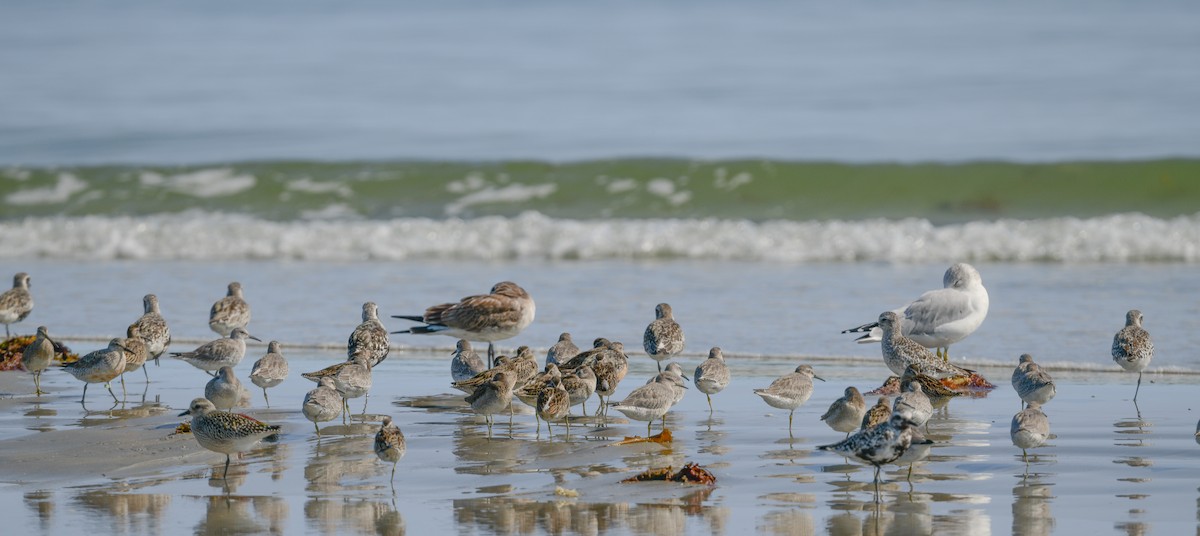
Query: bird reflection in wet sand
{"points": [[1031, 514], [340, 516]]}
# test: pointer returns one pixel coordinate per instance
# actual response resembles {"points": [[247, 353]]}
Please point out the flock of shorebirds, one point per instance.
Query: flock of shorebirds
{"points": [[884, 434]]}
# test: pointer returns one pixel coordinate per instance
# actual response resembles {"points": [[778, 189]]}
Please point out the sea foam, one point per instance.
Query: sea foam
{"points": [[201, 235]]}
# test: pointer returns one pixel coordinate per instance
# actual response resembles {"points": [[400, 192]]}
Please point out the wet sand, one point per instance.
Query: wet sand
{"points": [[1112, 466]]}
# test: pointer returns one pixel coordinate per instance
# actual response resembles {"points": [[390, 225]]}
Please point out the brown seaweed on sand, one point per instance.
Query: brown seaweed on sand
{"points": [[691, 473]]}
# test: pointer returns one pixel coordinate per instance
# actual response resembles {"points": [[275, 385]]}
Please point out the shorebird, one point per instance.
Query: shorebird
{"points": [[881, 444], [932, 388], [673, 372], [322, 404], [649, 402], [16, 303], [230, 312], [1132, 347], [37, 357], [270, 370], [580, 384], [136, 354], [352, 379], [600, 348], [553, 403], [610, 367], [521, 369], [563, 350], [389, 444], [466, 363], [790, 391], [900, 352], [890, 387], [529, 393], [501, 315], [213, 355], [940, 317], [663, 337], [224, 432], [711, 375], [101, 366], [1030, 428], [370, 337], [1031, 382], [226, 391], [153, 328], [913, 404], [877, 414], [492, 397], [846, 413]]}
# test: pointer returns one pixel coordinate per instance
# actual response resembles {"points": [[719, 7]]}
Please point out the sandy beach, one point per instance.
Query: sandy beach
{"points": [[123, 470]]}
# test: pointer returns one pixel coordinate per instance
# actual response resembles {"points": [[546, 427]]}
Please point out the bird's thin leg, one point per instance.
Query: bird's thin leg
{"points": [[1139, 387], [317, 428], [710, 408], [268, 400], [146, 374], [123, 393], [114, 395], [37, 383], [84, 399], [226, 475]]}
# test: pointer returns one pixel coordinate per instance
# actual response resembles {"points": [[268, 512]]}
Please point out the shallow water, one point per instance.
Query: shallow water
{"points": [[1062, 314], [1108, 469]]}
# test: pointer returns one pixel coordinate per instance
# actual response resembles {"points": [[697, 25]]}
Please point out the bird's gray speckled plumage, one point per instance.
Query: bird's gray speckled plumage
{"points": [[213, 355], [846, 413], [230, 312], [1032, 383], [370, 337], [16, 303], [270, 370], [663, 337]]}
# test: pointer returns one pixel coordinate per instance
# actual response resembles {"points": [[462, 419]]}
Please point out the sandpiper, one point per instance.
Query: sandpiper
{"points": [[610, 368], [224, 432], [711, 375], [1030, 428], [370, 337], [152, 327], [101, 366], [492, 397], [913, 404], [881, 444], [663, 337], [16, 303], [1132, 347], [213, 355], [790, 391], [466, 362], [932, 388], [352, 379], [37, 357], [563, 350], [941, 317], [580, 384], [1031, 382], [389, 444], [230, 312], [876, 414], [501, 315], [322, 404], [649, 402], [226, 390], [136, 354], [900, 352], [270, 370], [553, 403], [673, 372], [846, 413]]}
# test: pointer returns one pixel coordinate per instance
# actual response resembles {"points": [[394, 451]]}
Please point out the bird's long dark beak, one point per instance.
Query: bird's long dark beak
{"points": [[253, 337], [818, 377], [186, 412]]}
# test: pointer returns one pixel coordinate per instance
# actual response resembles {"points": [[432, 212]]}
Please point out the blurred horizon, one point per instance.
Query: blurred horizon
{"points": [[146, 83]]}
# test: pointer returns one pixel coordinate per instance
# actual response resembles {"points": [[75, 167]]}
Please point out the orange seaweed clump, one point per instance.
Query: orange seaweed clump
{"points": [[662, 438]]}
